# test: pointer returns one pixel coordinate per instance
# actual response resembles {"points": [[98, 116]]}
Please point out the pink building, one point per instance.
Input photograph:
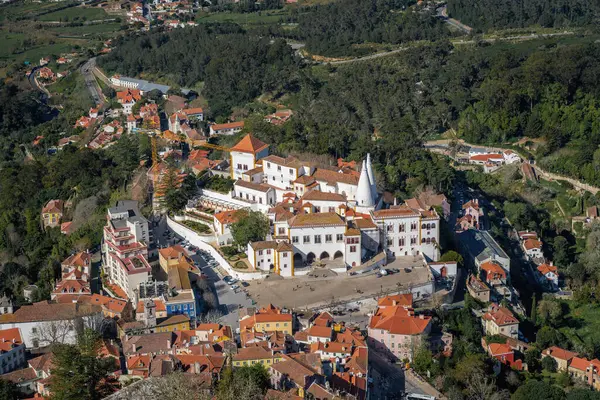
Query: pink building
{"points": [[125, 247], [398, 330]]}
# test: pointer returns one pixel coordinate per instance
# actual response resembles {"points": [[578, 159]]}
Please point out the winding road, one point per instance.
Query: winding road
{"points": [[90, 81]]}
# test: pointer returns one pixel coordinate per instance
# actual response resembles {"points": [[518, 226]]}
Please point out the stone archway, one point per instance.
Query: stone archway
{"points": [[338, 254], [324, 256], [310, 257]]}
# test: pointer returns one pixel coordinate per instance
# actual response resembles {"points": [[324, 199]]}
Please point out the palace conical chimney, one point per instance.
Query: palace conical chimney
{"points": [[364, 197], [371, 176]]}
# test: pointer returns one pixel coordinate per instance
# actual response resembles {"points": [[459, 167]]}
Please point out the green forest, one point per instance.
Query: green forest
{"points": [[500, 14], [234, 67], [333, 29]]}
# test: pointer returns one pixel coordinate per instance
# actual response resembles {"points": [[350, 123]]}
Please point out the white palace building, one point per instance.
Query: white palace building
{"points": [[331, 215]]}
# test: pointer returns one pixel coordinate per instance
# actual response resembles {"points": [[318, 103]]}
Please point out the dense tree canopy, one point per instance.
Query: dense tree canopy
{"points": [[332, 29], [488, 14], [235, 67]]}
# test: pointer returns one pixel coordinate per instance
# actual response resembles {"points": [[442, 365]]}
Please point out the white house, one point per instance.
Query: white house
{"points": [[533, 248], [549, 273], [43, 323], [245, 154], [317, 333], [282, 172], [510, 157], [256, 193], [406, 231], [221, 223], [443, 269], [272, 255], [230, 128]]}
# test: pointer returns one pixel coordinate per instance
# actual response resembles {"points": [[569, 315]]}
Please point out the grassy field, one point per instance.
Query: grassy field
{"points": [[75, 14], [86, 29], [12, 48], [257, 18], [20, 10]]}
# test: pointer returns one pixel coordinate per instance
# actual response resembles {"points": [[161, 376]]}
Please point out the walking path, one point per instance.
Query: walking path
{"points": [[549, 176]]}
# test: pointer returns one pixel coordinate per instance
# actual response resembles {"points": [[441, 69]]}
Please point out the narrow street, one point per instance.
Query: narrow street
{"points": [[90, 81]]}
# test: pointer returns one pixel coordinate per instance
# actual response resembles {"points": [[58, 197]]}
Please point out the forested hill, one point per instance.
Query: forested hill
{"points": [[235, 67], [487, 14], [332, 29]]}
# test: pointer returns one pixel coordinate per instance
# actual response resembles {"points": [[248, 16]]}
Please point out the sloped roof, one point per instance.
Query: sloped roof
{"points": [[316, 219], [396, 300], [399, 320], [559, 353], [249, 144]]}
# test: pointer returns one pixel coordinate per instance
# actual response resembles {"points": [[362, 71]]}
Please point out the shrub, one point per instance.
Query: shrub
{"points": [[229, 251], [234, 258], [241, 265]]}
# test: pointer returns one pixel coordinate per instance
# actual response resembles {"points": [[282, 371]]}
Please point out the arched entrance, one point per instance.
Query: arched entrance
{"points": [[324, 256], [310, 257], [298, 262], [338, 254]]}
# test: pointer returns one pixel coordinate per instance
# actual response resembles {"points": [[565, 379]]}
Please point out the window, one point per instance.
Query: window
{"points": [[294, 239], [260, 252], [317, 239], [352, 249], [291, 171], [279, 168], [413, 226], [34, 330], [281, 231], [339, 237], [331, 209], [268, 251], [285, 254], [390, 228], [390, 242], [401, 242], [306, 239], [268, 165], [402, 228], [413, 240], [328, 239]]}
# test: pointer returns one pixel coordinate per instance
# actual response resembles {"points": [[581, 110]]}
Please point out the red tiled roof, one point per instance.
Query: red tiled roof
{"points": [[10, 338], [320, 331], [500, 315], [227, 217], [496, 349], [545, 268], [559, 353], [530, 244], [399, 320], [396, 300], [229, 125], [249, 144]]}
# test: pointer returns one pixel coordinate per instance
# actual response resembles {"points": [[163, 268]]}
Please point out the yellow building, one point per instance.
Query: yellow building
{"points": [[172, 256], [269, 319], [52, 213], [174, 323], [255, 355]]}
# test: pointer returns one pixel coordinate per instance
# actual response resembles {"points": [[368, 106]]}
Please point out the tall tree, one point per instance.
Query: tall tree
{"points": [[79, 374], [251, 226]]}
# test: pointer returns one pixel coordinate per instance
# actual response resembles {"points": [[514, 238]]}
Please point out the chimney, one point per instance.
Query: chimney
{"points": [[395, 201], [169, 343], [196, 367], [134, 347], [394, 302]]}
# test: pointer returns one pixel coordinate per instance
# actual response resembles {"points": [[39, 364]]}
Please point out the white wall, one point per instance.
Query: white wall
{"points": [[28, 330], [200, 242], [317, 248]]}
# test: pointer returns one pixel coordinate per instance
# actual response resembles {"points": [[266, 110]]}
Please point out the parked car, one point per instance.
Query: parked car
{"points": [[233, 282], [244, 284], [235, 287], [227, 279]]}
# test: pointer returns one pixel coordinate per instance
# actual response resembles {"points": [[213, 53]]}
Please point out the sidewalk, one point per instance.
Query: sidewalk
{"points": [[416, 380]]}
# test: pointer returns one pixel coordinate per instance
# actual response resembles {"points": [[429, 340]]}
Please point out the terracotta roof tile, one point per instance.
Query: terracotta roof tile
{"points": [[249, 144]]}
